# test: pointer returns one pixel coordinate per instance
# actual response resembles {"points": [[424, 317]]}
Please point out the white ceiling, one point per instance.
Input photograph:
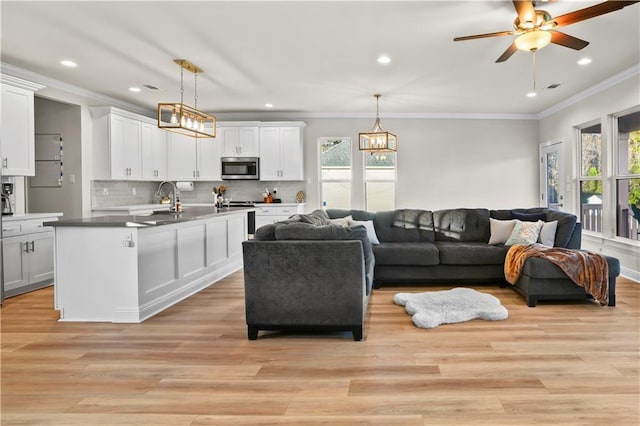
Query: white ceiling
{"points": [[314, 57]]}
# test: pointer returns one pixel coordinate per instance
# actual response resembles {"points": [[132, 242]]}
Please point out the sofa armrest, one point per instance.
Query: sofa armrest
{"points": [[301, 282]]}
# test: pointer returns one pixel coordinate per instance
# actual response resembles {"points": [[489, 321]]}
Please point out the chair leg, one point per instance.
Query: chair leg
{"points": [[252, 332]]}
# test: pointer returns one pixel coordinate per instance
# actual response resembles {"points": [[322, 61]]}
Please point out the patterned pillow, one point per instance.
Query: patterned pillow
{"points": [[342, 221], [525, 233]]}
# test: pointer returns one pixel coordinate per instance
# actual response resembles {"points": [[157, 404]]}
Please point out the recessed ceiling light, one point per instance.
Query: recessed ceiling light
{"points": [[584, 61], [383, 59], [268, 105], [68, 63], [532, 94], [134, 89]]}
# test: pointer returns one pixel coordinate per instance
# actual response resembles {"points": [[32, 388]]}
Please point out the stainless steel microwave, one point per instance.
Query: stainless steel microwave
{"points": [[240, 168]]}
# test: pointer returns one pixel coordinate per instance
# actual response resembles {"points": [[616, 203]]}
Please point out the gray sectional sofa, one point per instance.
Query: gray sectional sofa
{"points": [[312, 272]]}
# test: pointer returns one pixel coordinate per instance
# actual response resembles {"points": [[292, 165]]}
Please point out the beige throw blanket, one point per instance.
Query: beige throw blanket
{"points": [[586, 269]]}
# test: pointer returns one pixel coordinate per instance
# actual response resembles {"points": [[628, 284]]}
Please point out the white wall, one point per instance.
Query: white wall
{"points": [[561, 125], [445, 163]]}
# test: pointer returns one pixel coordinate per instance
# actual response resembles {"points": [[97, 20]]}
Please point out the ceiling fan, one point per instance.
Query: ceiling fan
{"points": [[535, 28]]}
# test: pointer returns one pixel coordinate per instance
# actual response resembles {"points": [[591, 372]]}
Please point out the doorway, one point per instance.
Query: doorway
{"points": [[551, 175]]}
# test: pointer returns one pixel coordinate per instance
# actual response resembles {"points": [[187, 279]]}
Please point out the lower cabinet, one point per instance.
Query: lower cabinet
{"points": [[271, 213], [128, 274], [28, 262]]}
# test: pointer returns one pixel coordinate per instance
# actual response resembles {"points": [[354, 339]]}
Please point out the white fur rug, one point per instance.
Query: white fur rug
{"points": [[432, 308]]}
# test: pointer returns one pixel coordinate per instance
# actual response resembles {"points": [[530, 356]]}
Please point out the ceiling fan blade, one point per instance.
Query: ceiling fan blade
{"points": [[526, 12], [568, 41], [591, 12], [472, 37], [507, 53]]}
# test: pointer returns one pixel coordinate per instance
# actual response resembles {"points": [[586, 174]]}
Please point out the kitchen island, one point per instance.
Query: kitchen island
{"points": [[128, 268]]}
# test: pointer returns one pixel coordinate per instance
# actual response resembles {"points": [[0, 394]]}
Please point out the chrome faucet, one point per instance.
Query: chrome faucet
{"points": [[175, 192]]}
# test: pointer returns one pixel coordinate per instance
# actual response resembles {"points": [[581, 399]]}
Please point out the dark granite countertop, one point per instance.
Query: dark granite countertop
{"points": [[157, 219]]}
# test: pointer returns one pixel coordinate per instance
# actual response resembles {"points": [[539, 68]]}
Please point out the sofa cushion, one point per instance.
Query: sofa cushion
{"points": [[529, 217], [355, 214], [525, 232], [462, 225], [471, 253], [500, 230], [415, 253], [404, 226]]}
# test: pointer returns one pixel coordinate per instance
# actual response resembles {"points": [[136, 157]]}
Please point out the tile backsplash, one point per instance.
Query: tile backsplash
{"points": [[105, 193]]}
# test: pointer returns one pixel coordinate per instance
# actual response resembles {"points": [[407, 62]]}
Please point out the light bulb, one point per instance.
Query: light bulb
{"points": [[174, 117]]}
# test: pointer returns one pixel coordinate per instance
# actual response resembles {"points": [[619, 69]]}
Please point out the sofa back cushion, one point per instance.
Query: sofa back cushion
{"points": [[404, 225], [462, 225], [359, 215]]}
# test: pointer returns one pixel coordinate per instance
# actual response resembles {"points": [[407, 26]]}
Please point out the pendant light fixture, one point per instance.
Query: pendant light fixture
{"points": [[183, 119], [377, 139]]}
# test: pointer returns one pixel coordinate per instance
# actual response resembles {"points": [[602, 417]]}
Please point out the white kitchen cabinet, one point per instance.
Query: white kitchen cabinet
{"points": [[155, 267], [27, 256], [17, 127], [193, 159], [275, 212], [153, 143], [281, 153], [239, 141], [116, 144]]}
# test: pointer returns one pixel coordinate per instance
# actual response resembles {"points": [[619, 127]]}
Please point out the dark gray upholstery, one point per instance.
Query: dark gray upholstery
{"points": [[462, 225], [417, 253], [542, 280], [304, 285], [471, 253]]}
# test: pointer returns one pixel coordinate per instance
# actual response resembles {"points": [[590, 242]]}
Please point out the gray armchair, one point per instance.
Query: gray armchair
{"points": [[305, 285]]}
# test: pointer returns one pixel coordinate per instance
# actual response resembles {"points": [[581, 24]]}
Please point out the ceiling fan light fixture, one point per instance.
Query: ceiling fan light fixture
{"points": [[533, 40], [183, 119], [377, 139]]}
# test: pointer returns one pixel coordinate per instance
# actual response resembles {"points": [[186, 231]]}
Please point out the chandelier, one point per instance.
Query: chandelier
{"points": [[377, 139], [183, 119]]}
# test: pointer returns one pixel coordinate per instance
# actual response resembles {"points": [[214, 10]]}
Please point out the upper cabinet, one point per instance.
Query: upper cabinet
{"points": [[281, 152], [154, 152], [238, 141], [116, 144], [193, 159], [17, 127]]}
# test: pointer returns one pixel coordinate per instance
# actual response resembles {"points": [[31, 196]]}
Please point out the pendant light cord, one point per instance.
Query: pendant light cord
{"points": [[534, 71], [181, 84], [195, 93]]}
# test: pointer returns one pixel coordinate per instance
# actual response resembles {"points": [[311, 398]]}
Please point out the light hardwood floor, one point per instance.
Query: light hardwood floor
{"points": [[558, 363]]}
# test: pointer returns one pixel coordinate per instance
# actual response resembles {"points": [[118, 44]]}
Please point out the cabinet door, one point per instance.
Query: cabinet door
{"points": [[228, 137], [248, 141], [16, 268], [182, 157], [17, 140], [124, 146], [209, 167], [269, 153], [291, 154], [131, 151], [40, 257], [153, 142]]}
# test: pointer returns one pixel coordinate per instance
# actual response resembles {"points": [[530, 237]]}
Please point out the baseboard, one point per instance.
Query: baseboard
{"points": [[630, 274]]}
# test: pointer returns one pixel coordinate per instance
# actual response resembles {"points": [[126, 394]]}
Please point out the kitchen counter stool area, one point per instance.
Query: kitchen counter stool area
{"points": [[121, 269]]}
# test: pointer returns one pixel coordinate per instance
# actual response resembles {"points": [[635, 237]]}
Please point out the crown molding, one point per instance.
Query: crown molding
{"points": [[291, 115], [634, 71], [52, 83]]}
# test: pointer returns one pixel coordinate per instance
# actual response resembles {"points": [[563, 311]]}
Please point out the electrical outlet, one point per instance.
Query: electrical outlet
{"points": [[105, 192], [133, 190]]}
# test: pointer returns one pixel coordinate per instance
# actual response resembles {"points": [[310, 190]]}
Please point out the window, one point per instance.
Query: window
{"points": [[335, 172], [380, 181], [627, 174], [590, 140]]}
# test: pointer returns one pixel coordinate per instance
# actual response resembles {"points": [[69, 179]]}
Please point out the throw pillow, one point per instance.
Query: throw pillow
{"points": [[342, 221], [525, 233], [548, 233], [529, 217], [371, 231], [500, 230]]}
